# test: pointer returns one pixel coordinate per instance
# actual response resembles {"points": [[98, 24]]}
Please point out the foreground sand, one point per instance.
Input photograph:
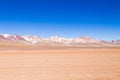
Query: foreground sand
{"points": [[87, 64]]}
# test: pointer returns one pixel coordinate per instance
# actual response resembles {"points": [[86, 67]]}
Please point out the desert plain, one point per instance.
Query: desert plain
{"points": [[60, 64]]}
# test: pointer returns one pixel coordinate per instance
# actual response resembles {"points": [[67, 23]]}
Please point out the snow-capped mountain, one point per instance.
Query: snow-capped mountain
{"points": [[116, 42], [73, 40], [13, 37], [56, 40], [85, 40], [32, 39]]}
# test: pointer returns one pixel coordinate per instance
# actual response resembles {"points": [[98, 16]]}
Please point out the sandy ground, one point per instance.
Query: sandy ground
{"points": [[91, 64]]}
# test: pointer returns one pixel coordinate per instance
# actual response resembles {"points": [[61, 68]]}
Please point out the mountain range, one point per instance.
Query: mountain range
{"points": [[86, 41]]}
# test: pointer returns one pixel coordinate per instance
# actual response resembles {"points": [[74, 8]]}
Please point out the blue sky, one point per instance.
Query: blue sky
{"points": [[68, 18]]}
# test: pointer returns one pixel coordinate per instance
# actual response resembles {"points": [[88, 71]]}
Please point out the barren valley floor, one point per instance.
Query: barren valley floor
{"points": [[82, 64]]}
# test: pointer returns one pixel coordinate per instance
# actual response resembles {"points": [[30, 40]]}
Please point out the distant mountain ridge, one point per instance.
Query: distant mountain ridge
{"points": [[56, 40], [117, 42]]}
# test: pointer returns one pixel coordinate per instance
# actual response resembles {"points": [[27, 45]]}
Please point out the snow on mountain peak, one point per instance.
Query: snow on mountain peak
{"points": [[57, 39], [85, 40], [116, 42], [32, 39], [13, 37], [6, 35]]}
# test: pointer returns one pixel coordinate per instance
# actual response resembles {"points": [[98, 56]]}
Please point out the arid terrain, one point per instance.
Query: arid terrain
{"points": [[69, 64]]}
